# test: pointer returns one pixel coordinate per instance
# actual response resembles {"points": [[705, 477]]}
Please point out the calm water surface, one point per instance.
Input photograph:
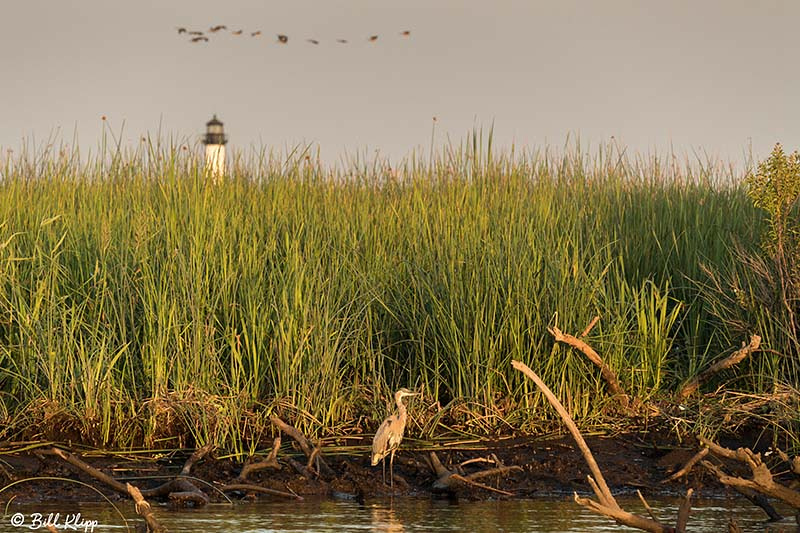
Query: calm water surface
{"points": [[401, 515]]}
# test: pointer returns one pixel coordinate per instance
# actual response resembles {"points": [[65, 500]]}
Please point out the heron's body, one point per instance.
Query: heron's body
{"points": [[390, 433]]}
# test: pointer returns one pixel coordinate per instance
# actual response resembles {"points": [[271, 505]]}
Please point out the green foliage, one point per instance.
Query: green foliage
{"points": [[759, 292], [775, 188], [140, 304]]}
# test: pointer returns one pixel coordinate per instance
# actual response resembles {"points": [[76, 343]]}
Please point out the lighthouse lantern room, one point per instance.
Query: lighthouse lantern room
{"points": [[215, 141]]}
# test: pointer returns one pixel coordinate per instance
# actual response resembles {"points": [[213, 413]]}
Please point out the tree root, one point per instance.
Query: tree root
{"points": [[606, 504]]}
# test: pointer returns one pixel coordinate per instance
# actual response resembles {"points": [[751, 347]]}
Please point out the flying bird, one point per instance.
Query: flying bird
{"points": [[181, 30], [283, 39], [195, 33], [312, 41], [389, 435], [237, 32], [373, 38], [405, 33], [343, 41], [215, 29], [198, 39], [255, 33]]}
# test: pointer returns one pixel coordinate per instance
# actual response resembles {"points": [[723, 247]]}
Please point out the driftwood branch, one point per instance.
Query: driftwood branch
{"points": [[688, 466], [606, 505], [589, 327], [293, 432], [794, 464], [271, 461], [683, 512], [248, 487], [179, 490], [499, 471], [198, 454], [757, 499], [623, 517], [603, 492], [144, 510], [449, 480], [762, 480], [608, 374], [91, 471], [734, 359]]}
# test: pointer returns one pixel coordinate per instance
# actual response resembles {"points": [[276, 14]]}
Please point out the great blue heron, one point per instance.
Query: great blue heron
{"points": [[390, 434]]}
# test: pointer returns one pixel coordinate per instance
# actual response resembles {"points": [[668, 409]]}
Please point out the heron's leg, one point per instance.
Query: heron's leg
{"points": [[383, 468], [391, 471]]}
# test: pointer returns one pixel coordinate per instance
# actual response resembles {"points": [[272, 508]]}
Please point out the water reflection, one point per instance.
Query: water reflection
{"points": [[384, 519], [404, 515]]}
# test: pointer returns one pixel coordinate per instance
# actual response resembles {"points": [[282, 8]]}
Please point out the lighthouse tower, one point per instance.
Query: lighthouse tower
{"points": [[215, 141]]}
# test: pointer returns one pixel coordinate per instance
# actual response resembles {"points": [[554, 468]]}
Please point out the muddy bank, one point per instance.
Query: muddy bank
{"points": [[547, 467]]}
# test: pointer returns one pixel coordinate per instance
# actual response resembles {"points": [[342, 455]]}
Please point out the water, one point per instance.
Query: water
{"points": [[403, 515]]}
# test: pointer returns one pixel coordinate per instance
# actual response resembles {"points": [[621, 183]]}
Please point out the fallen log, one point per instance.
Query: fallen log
{"points": [[606, 504]]}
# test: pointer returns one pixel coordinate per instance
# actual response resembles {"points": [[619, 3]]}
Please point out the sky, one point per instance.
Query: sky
{"points": [[710, 77]]}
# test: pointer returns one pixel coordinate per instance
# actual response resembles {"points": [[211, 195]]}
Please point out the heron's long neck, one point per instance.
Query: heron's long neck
{"points": [[401, 409]]}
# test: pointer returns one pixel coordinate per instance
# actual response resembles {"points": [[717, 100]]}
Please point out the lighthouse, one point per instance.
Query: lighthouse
{"points": [[215, 141]]}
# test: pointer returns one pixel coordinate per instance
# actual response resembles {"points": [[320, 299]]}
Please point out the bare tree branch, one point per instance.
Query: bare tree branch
{"points": [[608, 374], [733, 359]]}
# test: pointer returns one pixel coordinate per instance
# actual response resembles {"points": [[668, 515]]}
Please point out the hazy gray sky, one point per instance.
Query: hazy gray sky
{"points": [[702, 75]]}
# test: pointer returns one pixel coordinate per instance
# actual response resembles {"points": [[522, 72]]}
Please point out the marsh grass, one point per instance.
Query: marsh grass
{"points": [[142, 306]]}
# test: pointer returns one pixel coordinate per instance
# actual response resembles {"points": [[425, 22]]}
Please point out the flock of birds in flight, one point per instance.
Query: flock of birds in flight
{"points": [[202, 37]]}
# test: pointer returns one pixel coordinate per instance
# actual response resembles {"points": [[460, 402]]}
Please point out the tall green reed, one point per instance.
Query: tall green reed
{"points": [[143, 305]]}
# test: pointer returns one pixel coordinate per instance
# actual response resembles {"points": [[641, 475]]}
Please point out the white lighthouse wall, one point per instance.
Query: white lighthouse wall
{"points": [[215, 160]]}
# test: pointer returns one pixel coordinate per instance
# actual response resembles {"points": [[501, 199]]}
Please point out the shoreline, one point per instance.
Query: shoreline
{"points": [[550, 466]]}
